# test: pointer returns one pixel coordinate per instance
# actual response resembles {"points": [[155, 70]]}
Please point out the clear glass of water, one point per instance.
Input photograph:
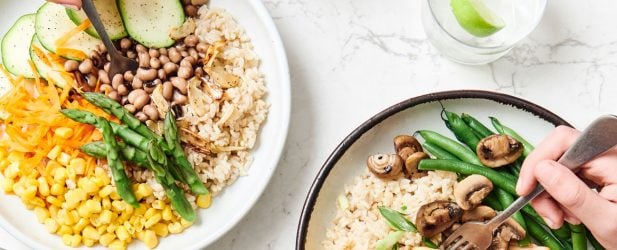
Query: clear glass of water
{"points": [[447, 35]]}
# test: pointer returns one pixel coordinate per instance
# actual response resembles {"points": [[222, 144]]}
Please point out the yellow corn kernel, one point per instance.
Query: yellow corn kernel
{"points": [[83, 210], [51, 225], [106, 239], [4, 163], [53, 210], [60, 175], [89, 186], [102, 229], [117, 245], [8, 185], [64, 229], [150, 212], [42, 186], [158, 204], [67, 239], [150, 239], [65, 218], [106, 203], [114, 195], [160, 229], [204, 201], [129, 228], [76, 240], [122, 233], [124, 216], [101, 181], [79, 165], [167, 213], [54, 152], [54, 201], [174, 227], [111, 227], [64, 159], [90, 233], [142, 190], [141, 235], [74, 197], [88, 242], [29, 193], [152, 220], [118, 206], [105, 217], [63, 132], [57, 189], [106, 191], [41, 214], [93, 206], [80, 225], [185, 223], [74, 215], [11, 170], [37, 202], [140, 211]]}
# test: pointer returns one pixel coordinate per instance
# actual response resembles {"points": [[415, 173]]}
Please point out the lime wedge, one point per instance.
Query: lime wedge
{"points": [[476, 18]]}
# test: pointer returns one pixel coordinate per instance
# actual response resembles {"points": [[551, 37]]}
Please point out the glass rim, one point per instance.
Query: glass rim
{"points": [[485, 47]]}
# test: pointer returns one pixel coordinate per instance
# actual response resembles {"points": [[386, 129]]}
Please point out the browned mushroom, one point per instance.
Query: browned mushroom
{"points": [[411, 165], [471, 191], [498, 150], [385, 166], [437, 216], [510, 230], [480, 213], [405, 145]]}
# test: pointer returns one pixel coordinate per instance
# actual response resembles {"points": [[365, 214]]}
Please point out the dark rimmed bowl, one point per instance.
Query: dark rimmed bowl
{"points": [[375, 135]]}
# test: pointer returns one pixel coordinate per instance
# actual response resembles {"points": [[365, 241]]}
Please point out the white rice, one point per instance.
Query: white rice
{"points": [[360, 225]]}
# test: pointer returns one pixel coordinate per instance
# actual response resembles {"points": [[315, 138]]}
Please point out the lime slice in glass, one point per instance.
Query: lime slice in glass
{"points": [[476, 18]]}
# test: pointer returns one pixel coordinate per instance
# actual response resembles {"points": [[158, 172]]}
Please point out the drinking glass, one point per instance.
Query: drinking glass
{"points": [[447, 35]]}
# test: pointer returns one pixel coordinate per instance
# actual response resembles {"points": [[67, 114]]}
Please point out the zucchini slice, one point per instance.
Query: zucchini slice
{"points": [[15, 50], [43, 66], [149, 21], [109, 16], [52, 23]]}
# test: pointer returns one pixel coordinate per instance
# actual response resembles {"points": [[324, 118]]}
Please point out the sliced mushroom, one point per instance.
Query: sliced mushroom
{"points": [[510, 230], [385, 166], [480, 213], [471, 191], [411, 165], [406, 141], [435, 217], [184, 30], [499, 150], [199, 101], [221, 77]]}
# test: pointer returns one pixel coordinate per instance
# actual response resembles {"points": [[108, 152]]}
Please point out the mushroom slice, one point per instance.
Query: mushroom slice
{"points": [[508, 231], [161, 104], [198, 100], [406, 141], [498, 150], [480, 213], [411, 165], [470, 192], [214, 90], [385, 166], [437, 216], [221, 77], [184, 30]]}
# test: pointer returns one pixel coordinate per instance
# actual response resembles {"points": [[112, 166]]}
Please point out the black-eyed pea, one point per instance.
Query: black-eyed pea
{"points": [[185, 72], [141, 101], [162, 74], [170, 67], [141, 116], [191, 40], [146, 74], [125, 100], [184, 53], [174, 55], [180, 84], [86, 66], [137, 83], [186, 2], [91, 79], [71, 65], [190, 10], [123, 90], [144, 59], [179, 98], [155, 63], [140, 48], [168, 90], [128, 76], [199, 72], [114, 95], [202, 47], [199, 2], [135, 93], [105, 88], [151, 112], [126, 43], [130, 108], [117, 80], [104, 77], [193, 53], [101, 48], [154, 53], [131, 54], [164, 59], [149, 87], [163, 51]]}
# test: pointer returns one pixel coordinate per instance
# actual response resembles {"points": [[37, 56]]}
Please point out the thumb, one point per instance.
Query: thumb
{"points": [[73, 4], [570, 191]]}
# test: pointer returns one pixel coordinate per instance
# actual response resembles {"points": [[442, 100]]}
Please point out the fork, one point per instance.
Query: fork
{"points": [[119, 63], [599, 137]]}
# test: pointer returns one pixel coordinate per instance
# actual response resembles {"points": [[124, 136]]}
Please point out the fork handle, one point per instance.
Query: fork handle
{"points": [[600, 136], [93, 15]]}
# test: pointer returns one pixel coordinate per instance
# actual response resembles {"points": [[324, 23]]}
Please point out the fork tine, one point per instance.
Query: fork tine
{"points": [[460, 243], [452, 238], [469, 246]]}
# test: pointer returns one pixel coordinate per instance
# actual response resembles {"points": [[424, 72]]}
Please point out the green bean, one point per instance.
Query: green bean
{"points": [[459, 128], [476, 125], [468, 169], [397, 220], [527, 147], [428, 243], [437, 152], [563, 233], [506, 199], [594, 242], [492, 201], [453, 147], [579, 239], [543, 236]]}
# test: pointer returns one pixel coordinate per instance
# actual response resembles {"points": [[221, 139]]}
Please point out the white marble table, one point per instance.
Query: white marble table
{"points": [[350, 59]]}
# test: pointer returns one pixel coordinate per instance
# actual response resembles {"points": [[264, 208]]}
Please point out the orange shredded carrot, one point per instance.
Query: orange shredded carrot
{"points": [[71, 33], [71, 53], [40, 54]]}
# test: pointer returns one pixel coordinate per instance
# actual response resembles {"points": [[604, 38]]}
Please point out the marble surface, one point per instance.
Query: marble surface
{"points": [[350, 59]]}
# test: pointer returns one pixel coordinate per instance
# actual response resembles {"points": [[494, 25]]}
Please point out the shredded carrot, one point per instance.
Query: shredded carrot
{"points": [[71, 33], [71, 53], [40, 54]]}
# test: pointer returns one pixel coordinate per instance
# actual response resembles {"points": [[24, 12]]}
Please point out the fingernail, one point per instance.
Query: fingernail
{"points": [[519, 185], [549, 222], [70, 6]]}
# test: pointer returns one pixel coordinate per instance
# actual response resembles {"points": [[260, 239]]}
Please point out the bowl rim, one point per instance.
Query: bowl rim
{"points": [[341, 149]]}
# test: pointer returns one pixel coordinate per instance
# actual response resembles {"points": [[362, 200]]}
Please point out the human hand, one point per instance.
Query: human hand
{"points": [[567, 197], [73, 4]]}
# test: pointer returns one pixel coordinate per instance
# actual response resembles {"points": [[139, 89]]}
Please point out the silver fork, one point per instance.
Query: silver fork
{"points": [[599, 137], [119, 63]]}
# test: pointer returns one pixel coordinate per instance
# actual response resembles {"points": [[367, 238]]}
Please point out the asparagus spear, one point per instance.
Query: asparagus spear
{"points": [[98, 149], [112, 107], [173, 142], [157, 161]]}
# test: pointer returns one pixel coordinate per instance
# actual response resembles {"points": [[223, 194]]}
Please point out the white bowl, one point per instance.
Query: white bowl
{"points": [[375, 136], [236, 200]]}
